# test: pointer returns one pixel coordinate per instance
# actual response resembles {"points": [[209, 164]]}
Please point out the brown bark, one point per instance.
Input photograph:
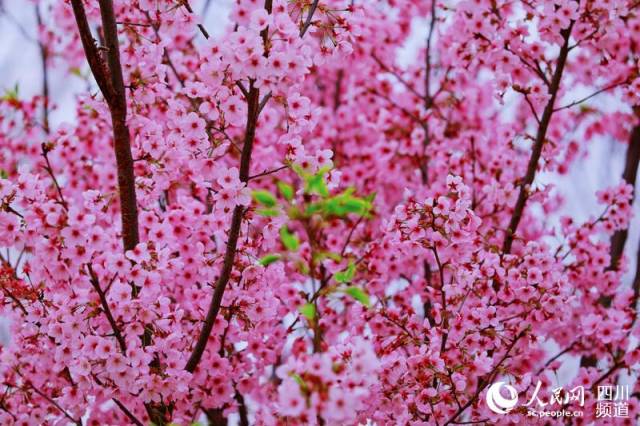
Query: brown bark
{"points": [[234, 233], [254, 107], [111, 83], [109, 77], [541, 135], [629, 175]]}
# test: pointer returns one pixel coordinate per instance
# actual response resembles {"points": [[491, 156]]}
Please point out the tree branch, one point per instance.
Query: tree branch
{"points": [[427, 78], [127, 413], [55, 404], [242, 409], [105, 308], [309, 19], [201, 27], [254, 108], [118, 106], [404, 82], [97, 65], [44, 56], [636, 288], [268, 172], [47, 167], [110, 80], [234, 233], [539, 143], [586, 98], [619, 238]]}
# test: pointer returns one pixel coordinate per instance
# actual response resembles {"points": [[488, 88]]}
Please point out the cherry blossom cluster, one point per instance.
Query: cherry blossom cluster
{"points": [[339, 212]]}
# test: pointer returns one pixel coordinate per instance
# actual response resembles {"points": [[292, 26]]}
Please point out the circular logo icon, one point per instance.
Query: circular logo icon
{"points": [[498, 403]]}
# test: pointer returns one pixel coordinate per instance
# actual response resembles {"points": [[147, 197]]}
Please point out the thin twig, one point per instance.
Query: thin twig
{"points": [[44, 55], [201, 27], [309, 19], [348, 240], [263, 102], [105, 308], [586, 98], [47, 167], [55, 404], [533, 109], [267, 173], [127, 413], [427, 79], [556, 356], [397, 76]]}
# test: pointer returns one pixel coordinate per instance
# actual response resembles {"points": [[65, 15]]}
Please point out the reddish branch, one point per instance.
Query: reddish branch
{"points": [[107, 310], [234, 233], [108, 76], [629, 175], [44, 56], [127, 412], [309, 20], [541, 135], [633, 156], [619, 238], [51, 401], [427, 77], [636, 287], [45, 149], [255, 105]]}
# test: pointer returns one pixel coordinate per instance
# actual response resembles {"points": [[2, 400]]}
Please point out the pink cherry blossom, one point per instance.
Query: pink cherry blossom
{"points": [[318, 212]]}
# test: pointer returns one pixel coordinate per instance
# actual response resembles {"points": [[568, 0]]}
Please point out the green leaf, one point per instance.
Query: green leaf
{"points": [[299, 171], [322, 255], [308, 310], [345, 203], [4, 174], [269, 259], [303, 268], [269, 212], [359, 294], [315, 184], [313, 208], [299, 380], [371, 197], [289, 240], [332, 207], [286, 190], [265, 198], [11, 94], [355, 205], [345, 275]]}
